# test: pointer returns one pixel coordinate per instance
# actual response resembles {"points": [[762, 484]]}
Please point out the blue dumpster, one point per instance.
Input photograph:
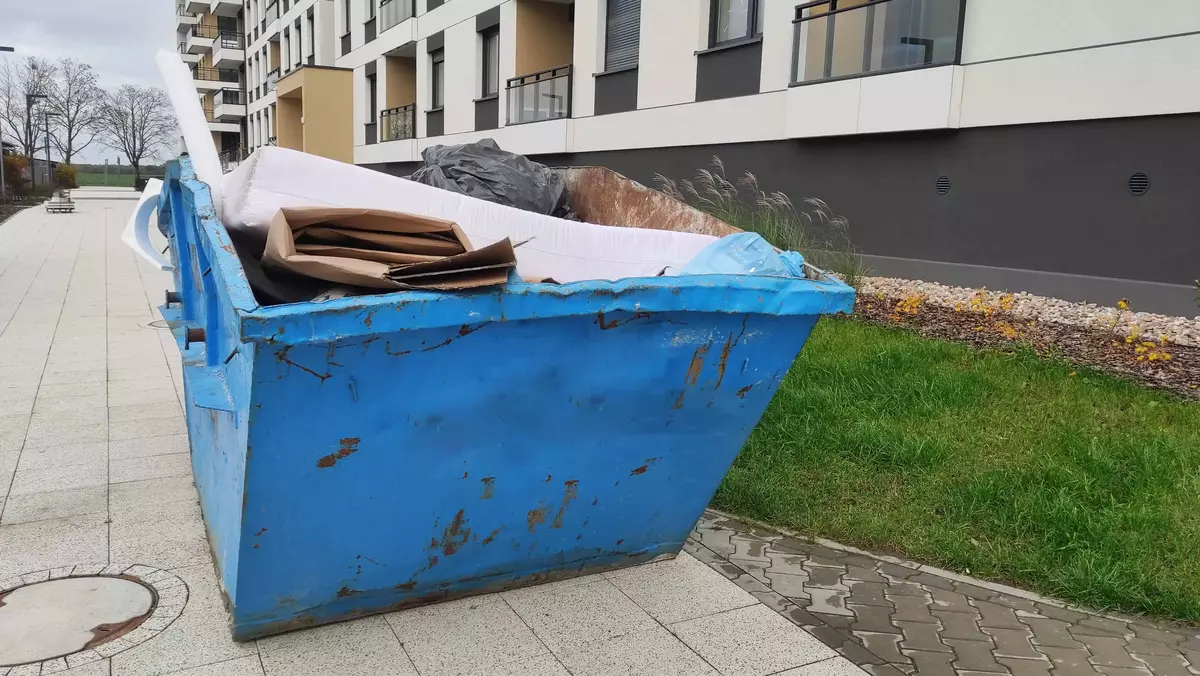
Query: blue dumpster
{"points": [[378, 452]]}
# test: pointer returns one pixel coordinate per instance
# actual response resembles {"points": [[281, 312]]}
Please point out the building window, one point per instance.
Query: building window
{"points": [[299, 42], [312, 36], [370, 9], [372, 98], [733, 20], [437, 68], [346, 15], [622, 27], [491, 61]]}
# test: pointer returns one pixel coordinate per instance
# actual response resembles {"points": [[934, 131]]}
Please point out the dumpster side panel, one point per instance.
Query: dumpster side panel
{"points": [[216, 366], [414, 466]]}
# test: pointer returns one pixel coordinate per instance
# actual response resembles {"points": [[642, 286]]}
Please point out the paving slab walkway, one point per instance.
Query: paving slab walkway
{"points": [[892, 616], [95, 478]]}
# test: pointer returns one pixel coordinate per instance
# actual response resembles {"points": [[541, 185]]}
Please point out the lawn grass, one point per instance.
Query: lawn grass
{"points": [[114, 179], [1006, 466]]}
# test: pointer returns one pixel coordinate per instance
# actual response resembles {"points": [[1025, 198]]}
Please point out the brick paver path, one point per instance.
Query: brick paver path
{"points": [[894, 616]]}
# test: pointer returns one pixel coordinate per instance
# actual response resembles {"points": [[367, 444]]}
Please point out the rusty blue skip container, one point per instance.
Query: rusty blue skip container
{"points": [[378, 452]]}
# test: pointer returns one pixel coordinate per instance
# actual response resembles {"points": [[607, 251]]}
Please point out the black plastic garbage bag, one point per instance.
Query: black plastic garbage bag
{"points": [[485, 171]]}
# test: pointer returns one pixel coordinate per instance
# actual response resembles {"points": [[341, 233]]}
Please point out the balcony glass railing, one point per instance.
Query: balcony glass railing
{"points": [[397, 124], [272, 80], [848, 38], [215, 74], [230, 40], [545, 95], [392, 12], [270, 14], [229, 97], [204, 31], [181, 10]]}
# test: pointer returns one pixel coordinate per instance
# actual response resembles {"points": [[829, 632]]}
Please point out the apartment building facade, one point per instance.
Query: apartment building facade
{"points": [[297, 98], [212, 43], [1022, 144]]}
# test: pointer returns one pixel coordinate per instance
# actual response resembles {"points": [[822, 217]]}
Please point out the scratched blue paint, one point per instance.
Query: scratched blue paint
{"points": [[377, 452]]}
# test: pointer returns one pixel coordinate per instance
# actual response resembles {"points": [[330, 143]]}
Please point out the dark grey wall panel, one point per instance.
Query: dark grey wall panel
{"points": [[725, 72], [1049, 197], [433, 4], [616, 92], [487, 113], [487, 19], [435, 42], [435, 123]]}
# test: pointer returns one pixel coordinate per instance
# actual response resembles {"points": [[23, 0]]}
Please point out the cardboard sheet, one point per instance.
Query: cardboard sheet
{"points": [[565, 251], [390, 262]]}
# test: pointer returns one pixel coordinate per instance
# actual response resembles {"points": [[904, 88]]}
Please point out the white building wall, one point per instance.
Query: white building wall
{"points": [[777, 45], [588, 57], [669, 37], [461, 48], [424, 96]]}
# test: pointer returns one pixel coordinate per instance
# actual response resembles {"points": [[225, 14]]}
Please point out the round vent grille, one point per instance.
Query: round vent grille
{"points": [[943, 185], [1139, 184]]}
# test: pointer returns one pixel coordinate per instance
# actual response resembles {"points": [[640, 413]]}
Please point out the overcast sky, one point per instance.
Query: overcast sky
{"points": [[117, 37]]}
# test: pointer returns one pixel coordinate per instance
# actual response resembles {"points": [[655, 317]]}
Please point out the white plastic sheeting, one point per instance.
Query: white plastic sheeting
{"points": [[565, 251]]}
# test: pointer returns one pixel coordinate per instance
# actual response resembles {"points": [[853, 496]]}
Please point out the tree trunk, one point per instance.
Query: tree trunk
{"points": [[137, 172]]}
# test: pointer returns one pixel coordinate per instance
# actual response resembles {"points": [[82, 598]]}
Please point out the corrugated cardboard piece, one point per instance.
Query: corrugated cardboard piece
{"points": [[382, 250]]}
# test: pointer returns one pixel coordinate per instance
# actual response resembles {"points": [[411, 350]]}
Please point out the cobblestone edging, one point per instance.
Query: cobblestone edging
{"points": [[892, 617]]}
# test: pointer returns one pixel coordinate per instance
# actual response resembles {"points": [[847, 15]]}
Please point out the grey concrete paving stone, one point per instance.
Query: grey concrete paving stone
{"points": [[40, 545], [248, 665], [365, 646], [836, 666], [148, 446], [650, 652], [679, 589], [573, 616], [465, 636], [62, 456], [543, 665], [59, 477], [151, 493], [153, 467], [754, 641], [55, 504], [157, 428]]}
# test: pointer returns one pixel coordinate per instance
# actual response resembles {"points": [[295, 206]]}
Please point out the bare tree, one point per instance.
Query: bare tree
{"points": [[137, 122], [75, 102], [20, 80]]}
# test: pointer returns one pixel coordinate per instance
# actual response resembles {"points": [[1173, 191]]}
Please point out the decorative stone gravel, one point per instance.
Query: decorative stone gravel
{"points": [[170, 597], [1178, 330]]}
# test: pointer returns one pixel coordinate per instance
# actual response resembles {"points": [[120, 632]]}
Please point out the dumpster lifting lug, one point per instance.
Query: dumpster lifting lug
{"points": [[192, 335], [173, 297]]}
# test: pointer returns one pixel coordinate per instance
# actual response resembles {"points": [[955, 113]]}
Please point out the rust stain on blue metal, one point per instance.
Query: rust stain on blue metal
{"points": [[570, 493], [489, 484], [455, 535], [606, 325], [347, 446], [534, 517]]}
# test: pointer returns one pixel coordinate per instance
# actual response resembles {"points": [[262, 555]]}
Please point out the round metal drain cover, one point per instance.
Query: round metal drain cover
{"points": [[159, 324], [45, 620]]}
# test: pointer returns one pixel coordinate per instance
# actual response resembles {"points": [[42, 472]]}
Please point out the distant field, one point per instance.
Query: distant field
{"points": [[98, 179]]}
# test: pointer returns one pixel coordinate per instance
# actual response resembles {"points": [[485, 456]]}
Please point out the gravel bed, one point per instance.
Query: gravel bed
{"points": [[1144, 325]]}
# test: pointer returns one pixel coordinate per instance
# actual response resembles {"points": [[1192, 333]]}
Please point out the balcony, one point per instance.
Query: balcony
{"points": [[225, 7], [183, 18], [228, 50], [832, 42], [270, 16], [397, 124], [187, 58], [200, 38], [229, 105], [392, 12], [212, 79], [196, 6], [272, 80], [540, 96]]}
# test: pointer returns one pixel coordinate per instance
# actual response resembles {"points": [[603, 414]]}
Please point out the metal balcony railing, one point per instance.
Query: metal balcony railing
{"points": [[398, 124], [208, 114], [392, 12], [545, 95], [230, 40], [181, 10], [270, 14], [205, 31], [215, 74], [229, 97], [272, 80], [832, 41]]}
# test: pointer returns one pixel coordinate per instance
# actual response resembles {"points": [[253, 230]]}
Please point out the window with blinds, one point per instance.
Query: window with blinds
{"points": [[621, 28]]}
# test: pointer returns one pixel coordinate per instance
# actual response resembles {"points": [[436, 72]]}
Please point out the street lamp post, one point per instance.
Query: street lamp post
{"points": [[29, 99]]}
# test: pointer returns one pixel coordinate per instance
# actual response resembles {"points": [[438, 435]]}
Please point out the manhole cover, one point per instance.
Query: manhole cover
{"points": [[159, 324], [88, 612]]}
